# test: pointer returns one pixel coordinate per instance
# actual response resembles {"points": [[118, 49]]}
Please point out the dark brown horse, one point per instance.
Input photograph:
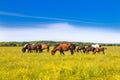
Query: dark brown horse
{"points": [[63, 47], [88, 49], [100, 49], [45, 46], [30, 47], [79, 48]]}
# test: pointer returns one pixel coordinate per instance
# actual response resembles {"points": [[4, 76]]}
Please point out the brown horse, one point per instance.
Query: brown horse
{"points": [[63, 47], [100, 49], [79, 48], [30, 47], [45, 46]]}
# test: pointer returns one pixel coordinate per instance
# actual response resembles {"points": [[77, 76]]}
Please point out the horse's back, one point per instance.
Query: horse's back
{"points": [[44, 46], [35, 46], [66, 46], [96, 45]]}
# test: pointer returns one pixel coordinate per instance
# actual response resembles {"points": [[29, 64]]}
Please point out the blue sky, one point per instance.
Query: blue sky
{"points": [[87, 17]]}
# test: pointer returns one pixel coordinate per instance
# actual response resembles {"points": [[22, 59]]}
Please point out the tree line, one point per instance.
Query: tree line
{"points": [[51, 43]]}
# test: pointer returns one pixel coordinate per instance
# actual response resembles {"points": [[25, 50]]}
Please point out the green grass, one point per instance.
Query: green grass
{"points": [[15, 65]]}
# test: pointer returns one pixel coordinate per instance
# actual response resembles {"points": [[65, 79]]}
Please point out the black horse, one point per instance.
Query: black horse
{"points": [[30, 47]]}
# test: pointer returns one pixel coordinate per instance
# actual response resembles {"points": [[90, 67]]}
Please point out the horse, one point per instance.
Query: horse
{"points": [[63, 47], [45, 46], [30, 47], [91, 48], [87, 49], [79, 48], [100, 49]]}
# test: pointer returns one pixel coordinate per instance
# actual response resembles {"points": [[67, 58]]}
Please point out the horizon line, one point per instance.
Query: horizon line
{"points": [[60, 41]]}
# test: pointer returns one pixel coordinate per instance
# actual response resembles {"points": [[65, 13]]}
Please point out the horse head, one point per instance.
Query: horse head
{"points": [[23, 50], [53, 52], [25, 47]]}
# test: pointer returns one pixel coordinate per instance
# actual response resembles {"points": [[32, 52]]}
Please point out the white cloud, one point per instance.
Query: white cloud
{"points": [[44, 17], [58, 32], [38, 17]]}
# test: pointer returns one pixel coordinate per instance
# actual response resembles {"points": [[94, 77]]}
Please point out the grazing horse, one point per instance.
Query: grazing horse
{"points": [[45, 46], [79, 48], [87, 49], [63, 47], [100, 49], [30, 47], [91, 48]]}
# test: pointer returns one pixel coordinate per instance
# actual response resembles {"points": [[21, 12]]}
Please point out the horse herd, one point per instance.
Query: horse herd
{"points": [[38, 48]]}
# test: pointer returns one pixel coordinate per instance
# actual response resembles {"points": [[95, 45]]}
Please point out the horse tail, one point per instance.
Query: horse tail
{"points": [[48, 48], [39, 48], [84, 50], [78, 49], [105, 48], [93, 49], [72, 48], [72, 52]]}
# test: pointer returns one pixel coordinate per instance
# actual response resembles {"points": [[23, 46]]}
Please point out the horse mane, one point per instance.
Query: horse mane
{"points": [[56, 46], [26, 45]]}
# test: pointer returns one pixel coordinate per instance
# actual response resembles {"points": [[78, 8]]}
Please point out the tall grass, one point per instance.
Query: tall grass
{"points": [[15, 65]]}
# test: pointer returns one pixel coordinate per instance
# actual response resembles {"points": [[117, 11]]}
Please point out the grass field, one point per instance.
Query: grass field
{"points": [[15, 65]]}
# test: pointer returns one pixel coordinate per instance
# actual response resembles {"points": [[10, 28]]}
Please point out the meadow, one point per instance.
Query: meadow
{"points": [[15, 65]]}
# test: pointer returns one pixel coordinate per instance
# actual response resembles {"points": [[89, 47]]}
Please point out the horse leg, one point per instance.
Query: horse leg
{"points": [[98, 52], [29, 51], [37, 50], [81, 50], [94, 52], [61, 52], [87, 52]]}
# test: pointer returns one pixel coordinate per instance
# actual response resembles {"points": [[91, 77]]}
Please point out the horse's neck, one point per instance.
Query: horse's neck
{"points": [[54, 50]]}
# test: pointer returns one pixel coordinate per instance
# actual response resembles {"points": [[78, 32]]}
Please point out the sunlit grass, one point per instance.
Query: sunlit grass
{"points": [[15, 65]]}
